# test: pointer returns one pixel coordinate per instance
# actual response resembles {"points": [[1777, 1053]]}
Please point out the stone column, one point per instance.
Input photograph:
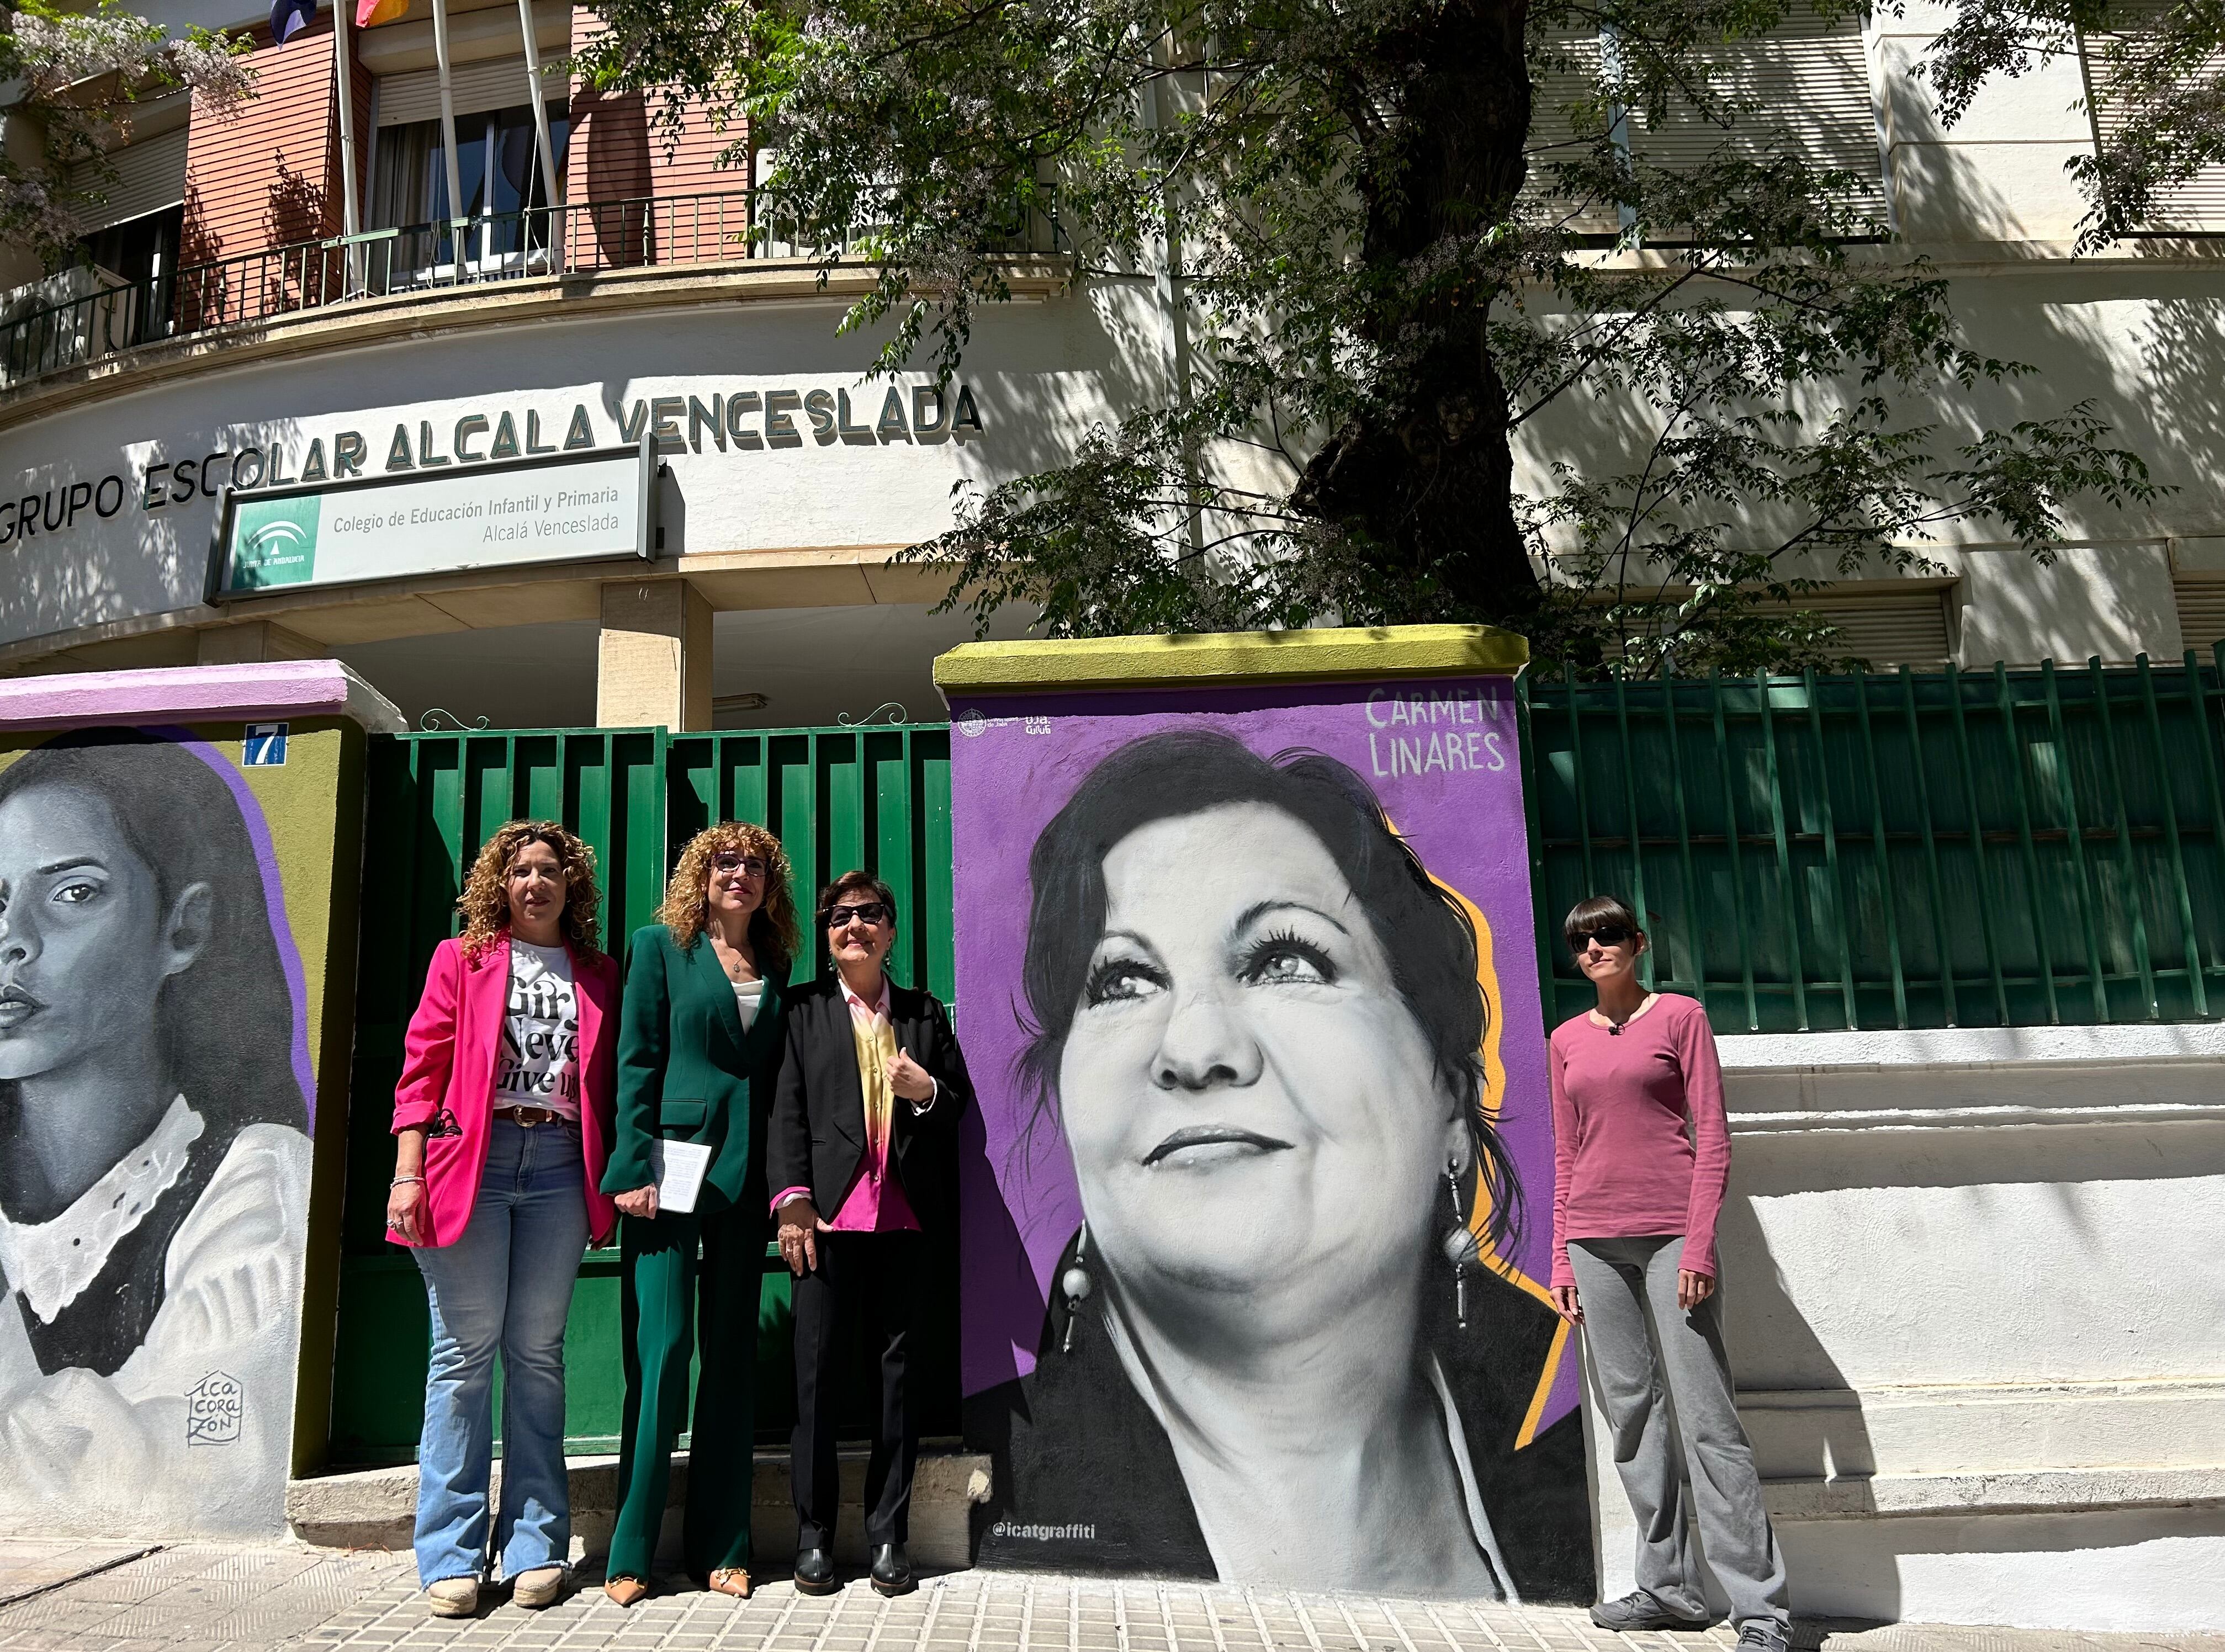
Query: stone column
{"points": [[653, 668]]}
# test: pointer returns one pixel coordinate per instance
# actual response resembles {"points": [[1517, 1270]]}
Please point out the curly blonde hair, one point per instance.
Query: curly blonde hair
{"points": [[687, 902], [485, 903]]}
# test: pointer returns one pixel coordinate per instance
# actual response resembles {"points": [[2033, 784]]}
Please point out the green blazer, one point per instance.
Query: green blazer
{"points": [[687, 1072]]}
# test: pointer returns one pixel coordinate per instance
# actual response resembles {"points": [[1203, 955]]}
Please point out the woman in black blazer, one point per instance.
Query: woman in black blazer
{"points": [[699, 1044], [871, 1088]]}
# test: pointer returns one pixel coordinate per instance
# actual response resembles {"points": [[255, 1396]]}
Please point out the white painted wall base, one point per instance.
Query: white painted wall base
{"points": [[1975, 1296]]}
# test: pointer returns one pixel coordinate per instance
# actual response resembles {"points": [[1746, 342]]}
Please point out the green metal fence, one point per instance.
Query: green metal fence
{"points": [[837, 798], [1953, 849]]}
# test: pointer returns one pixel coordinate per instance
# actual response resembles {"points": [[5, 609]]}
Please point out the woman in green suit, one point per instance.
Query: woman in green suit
{"points": [[699, 1048]]}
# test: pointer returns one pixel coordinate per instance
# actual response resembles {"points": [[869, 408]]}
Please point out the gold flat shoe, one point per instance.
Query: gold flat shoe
{"points": [[626, 1592], [731, 1580]]}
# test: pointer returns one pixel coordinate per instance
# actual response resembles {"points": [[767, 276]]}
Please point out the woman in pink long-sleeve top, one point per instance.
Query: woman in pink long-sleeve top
{"points": [[1641, 1152]]}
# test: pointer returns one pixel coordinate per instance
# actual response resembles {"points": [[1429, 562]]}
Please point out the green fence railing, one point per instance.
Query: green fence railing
{"points": [[1894, 851], [876, 797]]}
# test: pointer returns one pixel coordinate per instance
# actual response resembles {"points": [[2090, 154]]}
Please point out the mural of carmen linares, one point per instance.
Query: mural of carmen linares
{"points": [[154, 1162], [1256, 1022]]}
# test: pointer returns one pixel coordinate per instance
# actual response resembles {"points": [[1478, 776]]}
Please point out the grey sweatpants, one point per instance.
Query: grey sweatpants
{"points": [[1618, 1281]]}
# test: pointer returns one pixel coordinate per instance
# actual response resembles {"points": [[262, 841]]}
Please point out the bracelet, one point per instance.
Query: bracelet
{"points": [[400, 1181]]}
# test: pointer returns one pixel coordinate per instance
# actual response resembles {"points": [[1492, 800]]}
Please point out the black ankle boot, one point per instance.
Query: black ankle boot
{"points": [[815, 1572], [891, 1571]]}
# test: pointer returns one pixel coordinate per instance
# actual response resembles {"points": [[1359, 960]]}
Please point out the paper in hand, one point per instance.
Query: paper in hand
{"points": [[679, 1167]]}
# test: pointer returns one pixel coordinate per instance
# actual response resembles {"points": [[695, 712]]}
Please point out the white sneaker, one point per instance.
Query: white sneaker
{"points": [[537, 1588], [452, 1597]]}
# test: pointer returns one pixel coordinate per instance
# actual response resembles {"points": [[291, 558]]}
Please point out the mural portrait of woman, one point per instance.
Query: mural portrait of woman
{"points": [[1284, 1342], [153, 1154]]}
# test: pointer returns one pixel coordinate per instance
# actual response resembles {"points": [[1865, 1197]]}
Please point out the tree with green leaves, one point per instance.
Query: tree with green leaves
{"points": [[2154, 74], [74, 74], [1398, 237]]}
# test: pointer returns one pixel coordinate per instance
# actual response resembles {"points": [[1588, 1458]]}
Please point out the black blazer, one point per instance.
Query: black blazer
{"points": [[1084, 1479], [818, 1137]]}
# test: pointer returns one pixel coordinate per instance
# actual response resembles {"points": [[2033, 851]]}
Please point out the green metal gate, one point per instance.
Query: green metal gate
{"points": [[2007, 848], [876, 797]]}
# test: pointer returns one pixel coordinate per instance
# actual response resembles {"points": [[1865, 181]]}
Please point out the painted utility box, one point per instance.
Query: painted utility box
{"points": [[1257, 1204], [179, 859]]}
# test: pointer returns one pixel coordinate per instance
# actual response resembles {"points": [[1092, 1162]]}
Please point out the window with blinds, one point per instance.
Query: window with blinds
{"points": [[2201, 608], [149, 177], [1889, 627], [1807, 82], [2194, 207]]}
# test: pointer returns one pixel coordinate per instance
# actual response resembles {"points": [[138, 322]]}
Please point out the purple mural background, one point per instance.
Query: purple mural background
{"points": [[1429, 749]]}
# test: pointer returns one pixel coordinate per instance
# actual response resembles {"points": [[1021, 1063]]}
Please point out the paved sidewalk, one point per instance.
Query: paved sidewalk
{"points": [[90, 1597]]}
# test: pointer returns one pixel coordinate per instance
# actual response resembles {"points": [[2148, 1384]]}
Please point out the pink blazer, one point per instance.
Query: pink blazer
{"points": [[447, 1079]]}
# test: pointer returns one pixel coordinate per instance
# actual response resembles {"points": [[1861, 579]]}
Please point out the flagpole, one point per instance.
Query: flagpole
{"points": [[540, 102], [448, 132], [351, 217]]}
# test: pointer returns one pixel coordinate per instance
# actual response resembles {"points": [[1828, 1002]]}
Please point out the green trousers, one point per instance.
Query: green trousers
{"points": [[685, 1276]]}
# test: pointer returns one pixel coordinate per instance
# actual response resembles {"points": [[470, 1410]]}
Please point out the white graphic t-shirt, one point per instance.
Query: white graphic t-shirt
{"points": [[538, 1065]]}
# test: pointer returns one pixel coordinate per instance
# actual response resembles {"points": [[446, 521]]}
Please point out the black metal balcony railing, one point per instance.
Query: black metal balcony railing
{"points": [[430, 258]]}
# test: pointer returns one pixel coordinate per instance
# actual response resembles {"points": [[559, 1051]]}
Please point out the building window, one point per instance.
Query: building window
{"points": [[498, 167], [139, 248]]}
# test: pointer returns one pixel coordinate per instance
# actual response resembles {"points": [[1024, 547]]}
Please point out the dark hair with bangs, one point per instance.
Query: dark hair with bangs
{"points": [[856, 883], [1426, 935], [1591, 912]]}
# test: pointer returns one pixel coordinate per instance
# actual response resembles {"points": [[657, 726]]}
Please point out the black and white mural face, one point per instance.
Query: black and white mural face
{"points": [[1253, 1242], [154, 1148]]}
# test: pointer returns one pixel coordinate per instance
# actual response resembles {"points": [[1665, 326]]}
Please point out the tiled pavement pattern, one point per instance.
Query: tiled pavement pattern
{"points": [[208, 1598]]}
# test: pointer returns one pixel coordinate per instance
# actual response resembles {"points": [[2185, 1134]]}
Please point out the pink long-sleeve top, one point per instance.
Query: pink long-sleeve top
{"points": [[1622, 1163]]}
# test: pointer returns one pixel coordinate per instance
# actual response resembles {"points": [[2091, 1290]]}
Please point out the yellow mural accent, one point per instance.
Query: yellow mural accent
{"points": [[1495, 1096]]}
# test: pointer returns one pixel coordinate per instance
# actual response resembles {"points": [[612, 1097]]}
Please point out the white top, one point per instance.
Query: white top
{"points": [[538, 1065], [194, 1434], [52, 1262], [749, 996]]}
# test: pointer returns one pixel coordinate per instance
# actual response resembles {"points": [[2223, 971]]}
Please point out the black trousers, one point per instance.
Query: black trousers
{"points": [[872, 1280]]}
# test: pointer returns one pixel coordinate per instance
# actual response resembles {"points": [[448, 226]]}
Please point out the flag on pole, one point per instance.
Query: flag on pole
{"points": [[369, 14], [290, 17]]}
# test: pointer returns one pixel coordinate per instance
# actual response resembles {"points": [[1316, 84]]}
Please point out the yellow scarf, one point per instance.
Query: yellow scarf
{"points": [[877, 1048]]}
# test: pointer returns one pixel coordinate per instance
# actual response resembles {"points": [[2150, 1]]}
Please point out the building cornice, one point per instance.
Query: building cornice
{"points": [[364, 323]]}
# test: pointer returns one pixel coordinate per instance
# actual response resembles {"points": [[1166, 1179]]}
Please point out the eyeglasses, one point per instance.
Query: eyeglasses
{"points": [[727, 861], [1607, 935], [871, 914]]}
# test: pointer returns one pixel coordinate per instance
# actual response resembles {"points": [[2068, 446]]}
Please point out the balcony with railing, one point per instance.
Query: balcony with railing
{"points": [[433, 260]]}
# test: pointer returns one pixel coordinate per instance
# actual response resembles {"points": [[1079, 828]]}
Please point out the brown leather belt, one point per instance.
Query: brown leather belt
{"points": [[529, 1117]]}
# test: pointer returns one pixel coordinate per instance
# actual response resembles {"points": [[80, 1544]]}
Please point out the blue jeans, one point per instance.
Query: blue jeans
{"points": [[505, 1283]]}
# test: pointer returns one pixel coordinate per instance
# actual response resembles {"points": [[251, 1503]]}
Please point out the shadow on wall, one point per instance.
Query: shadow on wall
{"points": [[1811, 1425], [2110, 1569], [617, 170], [295, 208], [2145, 345]]}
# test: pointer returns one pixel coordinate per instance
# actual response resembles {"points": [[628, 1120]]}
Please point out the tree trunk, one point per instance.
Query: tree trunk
{"points": [[1425, 479]]}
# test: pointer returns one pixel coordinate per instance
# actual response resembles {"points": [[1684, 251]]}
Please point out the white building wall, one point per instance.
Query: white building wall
{"points": [[1976, 1303]]}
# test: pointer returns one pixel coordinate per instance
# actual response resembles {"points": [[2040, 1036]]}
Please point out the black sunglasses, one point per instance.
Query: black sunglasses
{"points": [[1607, 935], [872, 914]]}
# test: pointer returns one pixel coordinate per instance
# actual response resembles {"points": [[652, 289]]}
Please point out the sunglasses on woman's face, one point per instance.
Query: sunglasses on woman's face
{"points": [[871, 914], [727, 861], [1607, 935]]}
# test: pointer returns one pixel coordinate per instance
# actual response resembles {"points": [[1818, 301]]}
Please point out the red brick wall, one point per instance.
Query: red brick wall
{"points": [[269, 176], [619, 154]]}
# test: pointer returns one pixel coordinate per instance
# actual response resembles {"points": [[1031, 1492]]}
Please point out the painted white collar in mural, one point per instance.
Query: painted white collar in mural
{"points": [[52, 1262]]}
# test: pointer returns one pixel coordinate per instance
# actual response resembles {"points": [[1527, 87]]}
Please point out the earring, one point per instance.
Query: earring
{"points": [[1459, 1246], [1076, 1284]]}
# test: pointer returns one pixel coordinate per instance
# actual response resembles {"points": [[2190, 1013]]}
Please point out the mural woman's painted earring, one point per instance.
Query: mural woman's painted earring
{"points": [[1459, 1246], [1076, 1283]]}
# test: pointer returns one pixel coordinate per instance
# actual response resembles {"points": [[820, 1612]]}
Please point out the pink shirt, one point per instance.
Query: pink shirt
{"points": [[876, 1201], [1622, 1163]]}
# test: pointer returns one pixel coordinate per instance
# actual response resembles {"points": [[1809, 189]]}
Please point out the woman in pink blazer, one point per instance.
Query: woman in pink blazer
{"points": [[502, 1124]]}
